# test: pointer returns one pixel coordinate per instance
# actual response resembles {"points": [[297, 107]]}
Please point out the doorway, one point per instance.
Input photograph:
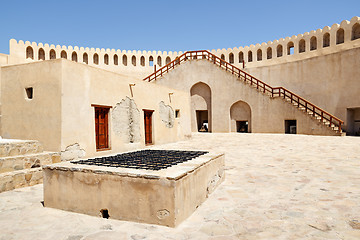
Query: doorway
{"points": [[290, 126], [148, 126], [102, 128], [353, 122], [202, 120], [242, 126]]}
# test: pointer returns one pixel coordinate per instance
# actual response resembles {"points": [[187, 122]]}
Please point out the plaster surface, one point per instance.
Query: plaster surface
{"points": [[276, 187]]}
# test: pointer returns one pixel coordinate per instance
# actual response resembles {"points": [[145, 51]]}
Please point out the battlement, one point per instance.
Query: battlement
{"points": [[323, 41]]}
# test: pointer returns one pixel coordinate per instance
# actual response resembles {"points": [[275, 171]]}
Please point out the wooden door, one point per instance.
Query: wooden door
{"points": [[102, 128], [148, 126]]}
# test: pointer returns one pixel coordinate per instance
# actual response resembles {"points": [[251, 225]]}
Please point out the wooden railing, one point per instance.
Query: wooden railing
{"points": [[324, 117]]}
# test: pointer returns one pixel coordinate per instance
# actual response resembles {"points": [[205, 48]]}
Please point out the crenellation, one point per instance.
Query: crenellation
{"points": [[271, 52]]}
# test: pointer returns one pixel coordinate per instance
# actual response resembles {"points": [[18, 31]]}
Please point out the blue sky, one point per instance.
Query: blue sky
{"points": [[165, 25]]}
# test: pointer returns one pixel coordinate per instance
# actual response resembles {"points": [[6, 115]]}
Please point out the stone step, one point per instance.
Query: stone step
{"points": [[34, 160], [14, 147], [20, 178]]}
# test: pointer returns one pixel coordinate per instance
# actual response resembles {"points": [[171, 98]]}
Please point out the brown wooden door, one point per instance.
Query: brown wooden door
{"points": [[102, 128], [148, 126]]}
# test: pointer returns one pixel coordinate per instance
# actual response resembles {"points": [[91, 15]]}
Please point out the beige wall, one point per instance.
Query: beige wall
{"points": [[40, 117], [330, 81], [84, 85], [267, 114], [60, 113]]}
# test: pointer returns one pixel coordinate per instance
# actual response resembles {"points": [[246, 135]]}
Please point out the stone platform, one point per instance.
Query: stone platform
{"points": [[20, 163], [165, 197]]}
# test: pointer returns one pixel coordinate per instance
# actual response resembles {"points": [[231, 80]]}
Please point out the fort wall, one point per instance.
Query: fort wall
{"points": [[327, 40]]}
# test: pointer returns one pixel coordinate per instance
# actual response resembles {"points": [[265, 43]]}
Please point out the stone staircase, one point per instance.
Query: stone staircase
{"points": [[21, 161]]}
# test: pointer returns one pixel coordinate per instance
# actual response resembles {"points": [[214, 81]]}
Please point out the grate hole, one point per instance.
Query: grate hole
{"points": [[104, 213]]}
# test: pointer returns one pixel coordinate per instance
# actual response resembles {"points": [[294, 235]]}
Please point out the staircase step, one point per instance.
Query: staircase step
{"points": [[14, 147], [20, 178], [34, 160]]}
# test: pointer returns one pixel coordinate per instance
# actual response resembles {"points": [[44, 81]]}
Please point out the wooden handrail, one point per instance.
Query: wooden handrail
{"points": [[247, 78]]}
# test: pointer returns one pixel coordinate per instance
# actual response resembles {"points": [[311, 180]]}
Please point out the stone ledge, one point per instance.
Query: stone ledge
{"points": [[21, 178]]}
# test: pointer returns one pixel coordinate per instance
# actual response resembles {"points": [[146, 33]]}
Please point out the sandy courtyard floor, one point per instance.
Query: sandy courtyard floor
{"points": [[276, 187]]}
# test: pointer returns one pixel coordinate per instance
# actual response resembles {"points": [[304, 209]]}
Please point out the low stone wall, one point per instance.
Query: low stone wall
{"points": [[164, 197]]}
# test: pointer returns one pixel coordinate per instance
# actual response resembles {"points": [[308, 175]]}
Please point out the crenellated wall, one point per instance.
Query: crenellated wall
{"points": [[318, 42], [135, 63]]}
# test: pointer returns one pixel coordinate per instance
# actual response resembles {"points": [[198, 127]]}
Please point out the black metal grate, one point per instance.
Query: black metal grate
{"points": [[144, 159]]}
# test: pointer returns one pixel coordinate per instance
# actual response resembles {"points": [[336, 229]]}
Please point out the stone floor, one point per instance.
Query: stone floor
{"points": [[276, 187]]}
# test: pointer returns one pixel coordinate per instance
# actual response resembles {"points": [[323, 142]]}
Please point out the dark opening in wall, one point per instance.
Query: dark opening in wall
{"points": [[340, 36], [259, 55], [290, 126], [151, 61], [301, 46], [104, 213], [326, 40], [231, 58], [313, 43], [29, 92], [177, 113], [279, 50], [242, 126], [250, 56]]}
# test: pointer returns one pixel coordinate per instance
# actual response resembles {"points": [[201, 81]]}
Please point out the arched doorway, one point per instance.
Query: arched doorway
{"points": [[200, 108], [240, 117]]}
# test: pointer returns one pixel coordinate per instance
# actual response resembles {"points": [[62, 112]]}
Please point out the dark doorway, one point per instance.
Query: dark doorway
{"points": [[202, 120], [353, 122], [242, 126], [102, 127], [290, 126], [148, 126]]}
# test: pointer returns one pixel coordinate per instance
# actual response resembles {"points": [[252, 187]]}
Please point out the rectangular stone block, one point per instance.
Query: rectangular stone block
{"points": [[164, 197]]}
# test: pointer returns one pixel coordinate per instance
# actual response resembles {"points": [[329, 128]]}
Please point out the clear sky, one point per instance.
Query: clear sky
{"points": [[169, 25]]}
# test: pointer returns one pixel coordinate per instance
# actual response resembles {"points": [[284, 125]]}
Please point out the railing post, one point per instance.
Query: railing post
{"points": [[257, 84], [243, 62], [313, 111], [264, 86], [155, 71], [322, 116], [340, 130], [330, 120]]}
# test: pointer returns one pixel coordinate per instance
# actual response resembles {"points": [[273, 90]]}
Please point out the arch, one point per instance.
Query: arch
{"points": [[41, 54], [313, 43], [168, 60], [142, 61], [241, 57], [240, 117], [159, 61], [269, 53], [151, 61], [85, 58], [326, 40], [222, 57], [106, 59], [231, 58], [259, 55], [133, 60], [96, 59], [63, 54], [29, 53], [301, 46], [200, 107], [74, 57], [177, 60], [116, 60], [52, 54], [279, 50], [250, 58], [340, 33], [290, 48], [355, 32], [124, 60]]}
